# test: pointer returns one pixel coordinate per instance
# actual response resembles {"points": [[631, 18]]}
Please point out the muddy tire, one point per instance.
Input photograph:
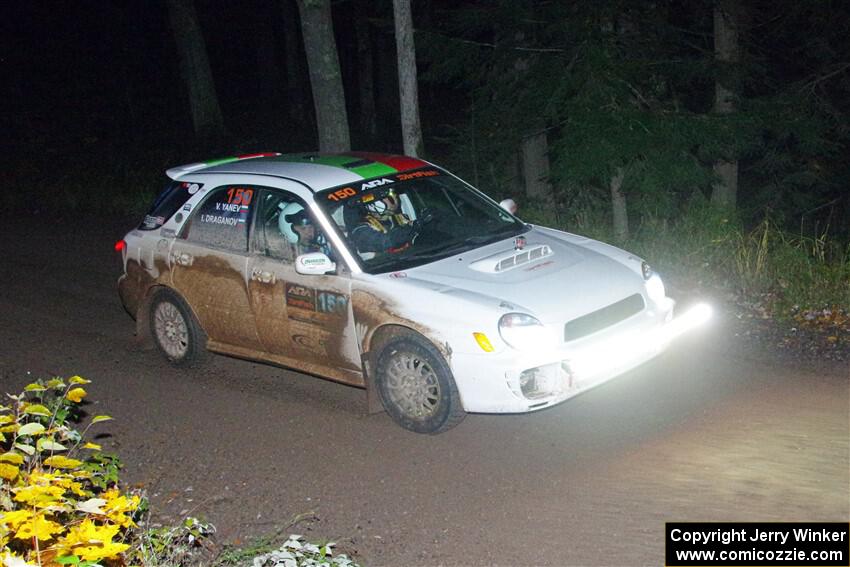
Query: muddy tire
{"points": [[416, 386], [175, 330]]}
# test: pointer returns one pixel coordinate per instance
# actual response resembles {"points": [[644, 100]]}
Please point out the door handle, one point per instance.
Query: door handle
{"points": [[261, 276], [182, 258]]}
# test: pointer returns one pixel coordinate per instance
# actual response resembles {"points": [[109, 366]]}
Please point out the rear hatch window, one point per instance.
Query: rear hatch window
{"points": [[175, 194]]}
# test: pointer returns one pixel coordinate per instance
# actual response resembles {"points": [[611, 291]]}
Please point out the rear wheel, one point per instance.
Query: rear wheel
{"points": [[175, 330], [416, 386]]}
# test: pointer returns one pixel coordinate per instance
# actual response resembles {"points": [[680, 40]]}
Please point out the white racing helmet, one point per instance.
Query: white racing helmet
{"points": [[291, 214]]}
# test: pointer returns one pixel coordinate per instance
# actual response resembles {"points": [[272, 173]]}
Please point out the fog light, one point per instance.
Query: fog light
{"points": [[528, 382]]}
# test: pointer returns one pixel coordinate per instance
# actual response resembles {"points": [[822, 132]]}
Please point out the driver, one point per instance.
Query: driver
{"points": [[298, 227], [383, 227]]}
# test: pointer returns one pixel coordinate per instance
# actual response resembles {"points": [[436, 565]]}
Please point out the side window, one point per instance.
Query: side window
{"points": [[287, 228], [175, 194], [222, 220]]}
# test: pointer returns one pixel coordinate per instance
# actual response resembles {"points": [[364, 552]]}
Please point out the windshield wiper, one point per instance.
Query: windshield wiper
{"points": [[406, 260], [456, 248]]}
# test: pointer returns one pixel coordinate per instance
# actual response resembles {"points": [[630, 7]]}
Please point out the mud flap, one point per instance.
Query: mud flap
{"points": [[143, 339], [373, 398]]}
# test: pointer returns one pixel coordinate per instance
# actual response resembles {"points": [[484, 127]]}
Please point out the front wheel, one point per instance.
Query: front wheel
{"points": [[175, 330], [416, 386]]}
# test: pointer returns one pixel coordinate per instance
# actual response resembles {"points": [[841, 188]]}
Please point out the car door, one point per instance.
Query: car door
{"points": [[304, 321], [208, 263]]}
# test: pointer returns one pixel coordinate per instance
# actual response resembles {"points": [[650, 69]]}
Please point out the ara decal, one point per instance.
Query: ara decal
{"points": [[300, 297]]}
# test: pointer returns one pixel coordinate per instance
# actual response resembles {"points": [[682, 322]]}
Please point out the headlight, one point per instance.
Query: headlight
{"points": [[646, 270], [655, 289], [523, 332]]}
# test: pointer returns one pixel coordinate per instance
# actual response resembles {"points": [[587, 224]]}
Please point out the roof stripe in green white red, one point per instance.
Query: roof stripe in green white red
{"points": [[319, 171], [364, 164], [174, 172]]}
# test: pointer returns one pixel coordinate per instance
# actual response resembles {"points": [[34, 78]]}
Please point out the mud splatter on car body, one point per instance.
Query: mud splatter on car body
{"points": [[388, 272]]}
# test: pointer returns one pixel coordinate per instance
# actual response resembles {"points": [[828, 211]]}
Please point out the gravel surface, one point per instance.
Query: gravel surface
{"points": [[724, 426]]}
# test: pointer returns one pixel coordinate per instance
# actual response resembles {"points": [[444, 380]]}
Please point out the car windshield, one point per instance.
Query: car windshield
{"points": [[408, 219]]}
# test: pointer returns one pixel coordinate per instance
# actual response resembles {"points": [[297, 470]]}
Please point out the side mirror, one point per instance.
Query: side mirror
{"points": [[509, 205], [314, 264]]}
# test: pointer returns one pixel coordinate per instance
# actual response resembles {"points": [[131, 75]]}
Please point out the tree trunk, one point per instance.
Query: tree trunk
{"points": [[618, 206], [295, 77], [325, 76], [195, 69], [386, 94], [268, 88], [726, 53], [408, 92], [535, 169], [365, 72]]}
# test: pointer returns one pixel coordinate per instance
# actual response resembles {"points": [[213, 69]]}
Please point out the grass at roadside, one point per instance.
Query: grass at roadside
{"points": [[707, 248]]}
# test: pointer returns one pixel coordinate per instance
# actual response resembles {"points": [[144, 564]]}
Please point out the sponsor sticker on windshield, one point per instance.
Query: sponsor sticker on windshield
{"points": [[366, 188]]}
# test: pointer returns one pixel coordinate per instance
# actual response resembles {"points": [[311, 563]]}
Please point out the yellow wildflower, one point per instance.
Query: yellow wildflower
{"points": [[60, 462], [76, 395], [118, 505], [8, 472], [13, 458], [36, 409], [13, 519], [39, 496], [92, 542], [38, 526]]}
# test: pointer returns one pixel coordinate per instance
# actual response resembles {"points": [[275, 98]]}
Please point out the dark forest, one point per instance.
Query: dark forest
{"points": [[630, 121]]}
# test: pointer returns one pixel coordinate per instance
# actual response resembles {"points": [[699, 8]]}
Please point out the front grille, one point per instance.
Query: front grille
{"points": [[602, 318]]}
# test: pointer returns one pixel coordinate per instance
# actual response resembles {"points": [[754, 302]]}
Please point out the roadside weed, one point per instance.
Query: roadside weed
{"points": [[61, 502]]}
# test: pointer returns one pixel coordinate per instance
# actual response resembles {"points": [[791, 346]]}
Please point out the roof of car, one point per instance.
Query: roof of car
{"points": [[318, 171]]}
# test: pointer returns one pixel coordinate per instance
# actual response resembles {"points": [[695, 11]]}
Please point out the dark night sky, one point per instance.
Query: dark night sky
{"points": [[96, 68], [107, 71]]}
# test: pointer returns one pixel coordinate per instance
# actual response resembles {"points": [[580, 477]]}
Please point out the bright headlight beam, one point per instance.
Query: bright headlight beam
{"points": [[655, 289], [697, 315], [613, 353]]}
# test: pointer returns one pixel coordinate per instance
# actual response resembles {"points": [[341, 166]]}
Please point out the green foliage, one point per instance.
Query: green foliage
{"points": [[104, 469], [51, 510], [804, 272], [268, 551], [244, 553], [187, 543], [295, 553], [60, 503], [630, 86], [709, 248]]}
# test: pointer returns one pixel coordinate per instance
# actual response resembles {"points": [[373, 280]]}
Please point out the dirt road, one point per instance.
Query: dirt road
{"points": [[704, 433]]}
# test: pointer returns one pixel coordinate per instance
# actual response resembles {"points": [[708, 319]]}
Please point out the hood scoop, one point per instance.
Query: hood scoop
{"points": [[504, 261]]}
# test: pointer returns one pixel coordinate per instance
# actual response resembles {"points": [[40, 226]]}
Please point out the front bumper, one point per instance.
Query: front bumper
{"points": [[519, 382]]}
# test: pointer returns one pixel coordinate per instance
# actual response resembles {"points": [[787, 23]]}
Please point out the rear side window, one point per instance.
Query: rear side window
{"points": [[222, 219], [172, 198]]}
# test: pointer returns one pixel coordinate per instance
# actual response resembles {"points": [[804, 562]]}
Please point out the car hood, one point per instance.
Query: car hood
{"points": [[556, 276]]}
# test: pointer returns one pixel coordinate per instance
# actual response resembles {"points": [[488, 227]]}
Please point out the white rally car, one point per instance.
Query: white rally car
{"points": [[389, 273]]}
